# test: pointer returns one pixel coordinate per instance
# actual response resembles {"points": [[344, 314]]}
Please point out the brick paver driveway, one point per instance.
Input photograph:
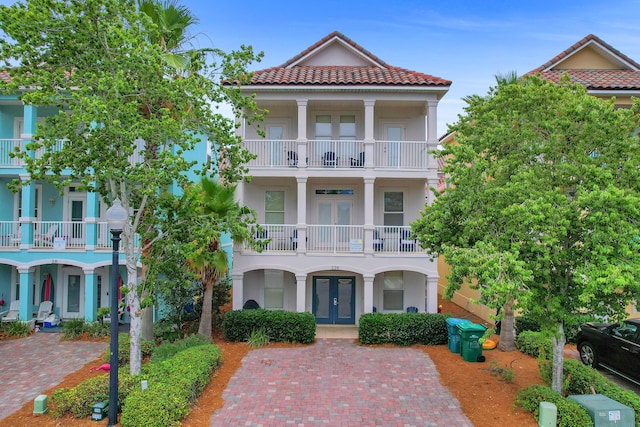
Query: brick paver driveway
{"points": [[337, 383], [28, 366]]}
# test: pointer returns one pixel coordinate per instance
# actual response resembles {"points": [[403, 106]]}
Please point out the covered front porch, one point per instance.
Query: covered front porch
{"points": [[336, 296]]}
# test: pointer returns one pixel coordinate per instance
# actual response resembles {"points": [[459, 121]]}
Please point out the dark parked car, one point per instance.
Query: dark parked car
{"points": [[613, 346]]}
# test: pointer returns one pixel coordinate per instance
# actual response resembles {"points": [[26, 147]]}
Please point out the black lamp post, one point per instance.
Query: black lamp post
{"points": [[117, 216]]}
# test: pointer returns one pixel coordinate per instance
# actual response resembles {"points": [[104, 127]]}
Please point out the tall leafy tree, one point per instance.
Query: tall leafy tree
{"points": [[191, 230], [544, 204], [94, 60]]}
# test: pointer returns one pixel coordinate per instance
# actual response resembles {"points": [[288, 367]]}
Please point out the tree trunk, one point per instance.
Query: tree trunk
{"points": [[147, 320], [559, 340], [507, 330], [204, 328], [133, 301]]}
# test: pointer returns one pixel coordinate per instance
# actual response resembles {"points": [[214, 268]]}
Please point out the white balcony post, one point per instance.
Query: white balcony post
{"points": [[302, 214], [368, 215], [369, 139], [301, 293], [302, 132]]}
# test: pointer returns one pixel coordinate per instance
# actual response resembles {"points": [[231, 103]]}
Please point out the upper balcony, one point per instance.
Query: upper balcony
{"points": [[341, 154], [57, 236]]}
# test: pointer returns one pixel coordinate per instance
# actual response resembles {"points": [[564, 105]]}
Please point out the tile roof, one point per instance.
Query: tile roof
{"points": [[379, 73], [596, 79], [4, 76]]}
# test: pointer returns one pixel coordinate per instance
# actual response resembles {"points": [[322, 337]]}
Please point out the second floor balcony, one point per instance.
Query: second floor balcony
{"points": [[57, 235], [335, 239], [406, 155]]}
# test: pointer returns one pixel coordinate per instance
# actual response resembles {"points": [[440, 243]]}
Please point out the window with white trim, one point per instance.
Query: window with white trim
{"points": [[274, 207], [393, 291], [323, 128], [394, 208], [273, 289]]}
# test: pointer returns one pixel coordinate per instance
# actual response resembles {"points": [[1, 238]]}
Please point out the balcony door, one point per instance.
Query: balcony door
{"points": [[334, 214], [394, 135], [75, 212], [275, 133]]}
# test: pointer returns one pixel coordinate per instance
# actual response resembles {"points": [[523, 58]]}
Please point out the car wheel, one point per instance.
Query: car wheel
{"points": [[588, 354]]}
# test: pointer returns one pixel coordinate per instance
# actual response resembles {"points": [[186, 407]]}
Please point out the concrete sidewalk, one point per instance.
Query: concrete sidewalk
{"points": [[337, 383]]}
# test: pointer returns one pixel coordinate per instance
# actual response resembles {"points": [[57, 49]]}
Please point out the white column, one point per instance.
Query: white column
{"points": [[301, 293], [238, 291], [302, 132], [431, 294], [432, 120], [301, 225], [368, 214], [369, 139], [368, 293]]}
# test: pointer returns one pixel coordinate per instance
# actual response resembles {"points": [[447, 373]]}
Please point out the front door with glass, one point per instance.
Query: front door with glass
{"points": [[334, 300]]}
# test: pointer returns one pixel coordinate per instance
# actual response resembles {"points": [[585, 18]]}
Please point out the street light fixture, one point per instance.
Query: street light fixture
{"points": [[117, 217]]}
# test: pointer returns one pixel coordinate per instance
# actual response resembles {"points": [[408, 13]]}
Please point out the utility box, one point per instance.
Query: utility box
{"points": [[605, 411], [40, 405], [99, 411]]}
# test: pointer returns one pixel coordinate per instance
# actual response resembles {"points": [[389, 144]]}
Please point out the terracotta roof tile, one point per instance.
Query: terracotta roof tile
{"points": [[344, 75], [598, 79], [4, 76]]}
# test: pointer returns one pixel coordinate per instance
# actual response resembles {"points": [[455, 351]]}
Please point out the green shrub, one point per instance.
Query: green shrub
{"points": [[570, 413], [18, 329], [73, 328], [403, 328], [279, 325], [526, 323], [166, 330], [168, 349], [530, 342], [77, 401], [124, 343], [258, 338], [98, 330], [579, 378], [173, 385]]}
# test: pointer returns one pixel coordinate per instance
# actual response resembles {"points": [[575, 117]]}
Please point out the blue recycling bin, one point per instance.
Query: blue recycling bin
{"points": [[454, 333]]}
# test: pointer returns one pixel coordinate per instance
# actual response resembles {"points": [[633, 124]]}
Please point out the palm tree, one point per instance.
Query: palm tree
{"points": [[211, 262]]}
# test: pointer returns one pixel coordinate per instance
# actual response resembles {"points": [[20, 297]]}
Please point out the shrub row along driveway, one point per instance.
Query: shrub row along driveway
{"points": [[335, 382]]}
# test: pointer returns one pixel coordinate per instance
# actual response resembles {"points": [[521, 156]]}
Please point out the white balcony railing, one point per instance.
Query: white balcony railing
{"points": [[59, 234], [272, 153], [9, 234], [341, 154], [337, 239], [8, 146]]}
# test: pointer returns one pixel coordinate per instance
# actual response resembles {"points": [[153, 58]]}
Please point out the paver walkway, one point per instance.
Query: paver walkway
{"points": [[337, 383], [29, 366]]}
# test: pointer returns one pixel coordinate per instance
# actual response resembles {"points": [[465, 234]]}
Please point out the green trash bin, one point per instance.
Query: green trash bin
{"points": [[453, 334], [470, 334]]}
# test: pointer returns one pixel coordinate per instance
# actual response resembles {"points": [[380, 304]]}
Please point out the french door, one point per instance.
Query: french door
{"points": [[334, 218], [73, 293], [334, 300]]}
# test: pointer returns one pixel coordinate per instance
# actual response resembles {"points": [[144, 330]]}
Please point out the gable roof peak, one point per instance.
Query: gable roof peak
{"points": [[330, 38]]}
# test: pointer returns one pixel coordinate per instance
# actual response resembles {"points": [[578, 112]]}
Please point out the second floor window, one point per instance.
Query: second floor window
{"points": [[393, 208], [274, 207]]}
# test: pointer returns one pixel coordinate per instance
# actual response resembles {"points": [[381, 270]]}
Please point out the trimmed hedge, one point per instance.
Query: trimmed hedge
{"points": [[279, 325], [173, 385], [578, 379], [530, 342], [124, 350], [77, 401], [170, 349], [403, 328], [570, 413]]}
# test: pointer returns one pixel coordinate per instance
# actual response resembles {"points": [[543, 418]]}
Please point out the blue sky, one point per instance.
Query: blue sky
{"points": [[468, 42]]}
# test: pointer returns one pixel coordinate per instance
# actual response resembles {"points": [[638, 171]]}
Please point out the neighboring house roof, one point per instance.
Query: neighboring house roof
{"points": [[4, 76], [594, 64], [350, 64]]}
